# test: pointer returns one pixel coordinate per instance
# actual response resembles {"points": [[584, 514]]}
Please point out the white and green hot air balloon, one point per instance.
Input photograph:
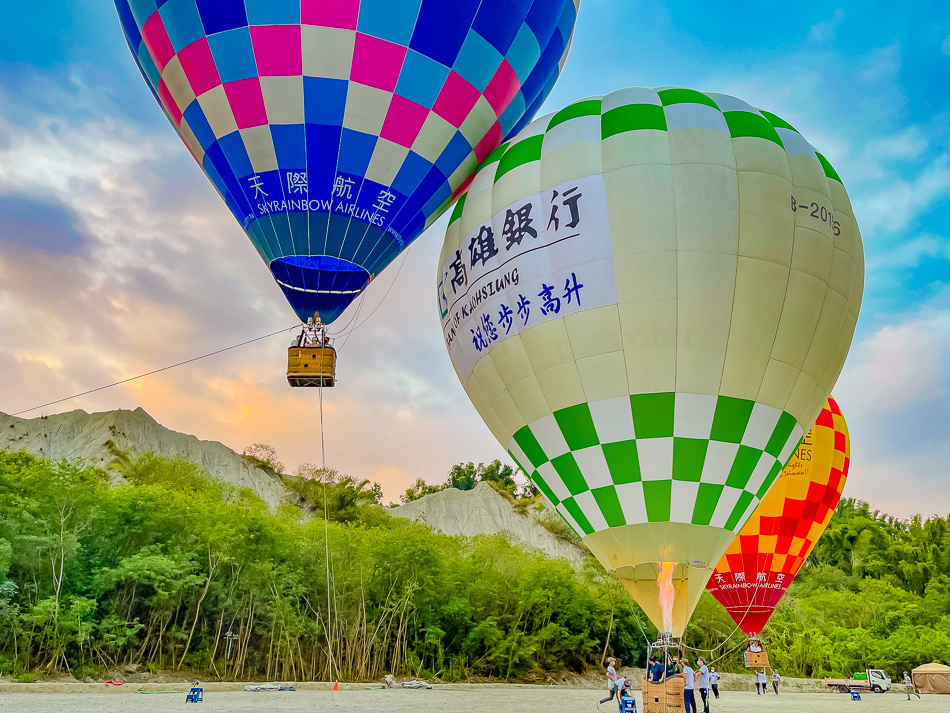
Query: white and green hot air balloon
{"points": [[648, 297]]}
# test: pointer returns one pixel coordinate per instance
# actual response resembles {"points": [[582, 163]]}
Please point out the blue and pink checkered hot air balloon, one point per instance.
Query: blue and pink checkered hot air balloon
{"points": [[338, 130]]}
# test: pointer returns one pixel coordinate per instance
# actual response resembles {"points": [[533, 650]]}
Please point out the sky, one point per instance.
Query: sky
{"points": [[117, 257]]}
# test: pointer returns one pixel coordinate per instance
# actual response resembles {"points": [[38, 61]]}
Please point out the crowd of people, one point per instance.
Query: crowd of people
{"points": [[703, 679], [762, 681]]}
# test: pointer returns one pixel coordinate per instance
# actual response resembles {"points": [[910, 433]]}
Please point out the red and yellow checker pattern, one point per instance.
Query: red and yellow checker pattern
{"points": [[761, 563]]}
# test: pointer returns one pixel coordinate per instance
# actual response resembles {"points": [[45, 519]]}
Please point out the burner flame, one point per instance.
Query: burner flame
{"points": [[667, 594]]}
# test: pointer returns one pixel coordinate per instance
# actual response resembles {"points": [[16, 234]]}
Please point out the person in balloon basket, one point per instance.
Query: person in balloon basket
{"points": [[776, 679], [308, 336], [673, 666], [611, 680], [689, 690], [702, 682], [714, 681], [657, 672]]}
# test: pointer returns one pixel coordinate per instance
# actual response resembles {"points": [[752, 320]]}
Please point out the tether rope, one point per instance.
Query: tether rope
{"points": [[326, 540], [343, 333], [154, 371]]}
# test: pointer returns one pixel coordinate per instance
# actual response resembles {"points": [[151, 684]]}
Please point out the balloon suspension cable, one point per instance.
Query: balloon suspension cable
{"points": [[154, 371], [728, 653], [733, 632], [326, 541], [659, 643], [640, 626], [346, 334], [356, 314], [353, 316]]}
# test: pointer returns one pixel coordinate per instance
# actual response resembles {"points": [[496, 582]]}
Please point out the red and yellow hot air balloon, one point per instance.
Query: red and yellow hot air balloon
{"points": [[761, 563]]}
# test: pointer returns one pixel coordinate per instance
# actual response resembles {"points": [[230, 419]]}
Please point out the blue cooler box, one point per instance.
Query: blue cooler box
{"points": [[628, 704]]}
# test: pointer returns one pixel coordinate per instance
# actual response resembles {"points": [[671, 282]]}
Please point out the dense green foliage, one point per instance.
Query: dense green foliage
{"points": [[156, 572], [876, 594], [466, 476]]}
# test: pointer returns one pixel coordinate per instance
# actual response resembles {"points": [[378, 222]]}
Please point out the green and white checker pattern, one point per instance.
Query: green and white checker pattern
{"points": [[735, 311], [668, 457], [722, 286], [639, 109]]}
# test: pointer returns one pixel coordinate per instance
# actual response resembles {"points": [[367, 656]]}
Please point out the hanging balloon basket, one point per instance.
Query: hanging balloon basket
{"points": [[311, 366]]}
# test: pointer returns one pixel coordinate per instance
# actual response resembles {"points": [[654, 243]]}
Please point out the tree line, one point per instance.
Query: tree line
{"points": [[165, 571], [177, 571]]}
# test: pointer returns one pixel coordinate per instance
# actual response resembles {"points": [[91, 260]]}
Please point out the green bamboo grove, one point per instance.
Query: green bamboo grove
{"points": [[155, 574]]}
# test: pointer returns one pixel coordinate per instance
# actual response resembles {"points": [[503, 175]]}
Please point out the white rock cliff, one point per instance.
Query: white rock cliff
{"points": [[482, 511], [94, 439], [82, 436]]}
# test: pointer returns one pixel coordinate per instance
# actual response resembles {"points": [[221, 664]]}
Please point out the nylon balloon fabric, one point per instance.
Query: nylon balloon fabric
{"points": [[648, 297], [759, 566], [337, 130]]}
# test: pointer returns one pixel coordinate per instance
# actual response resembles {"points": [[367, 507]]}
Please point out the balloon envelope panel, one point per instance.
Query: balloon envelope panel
{"points": [[648, 297], [337, 131], [761, 563]]}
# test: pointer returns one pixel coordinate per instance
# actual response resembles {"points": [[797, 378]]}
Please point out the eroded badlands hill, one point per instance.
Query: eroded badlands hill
{"points": [[95, 438], [483, 511]]}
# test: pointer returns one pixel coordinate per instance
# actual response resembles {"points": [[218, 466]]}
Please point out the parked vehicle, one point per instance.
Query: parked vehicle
{"points": [[873, 680]]}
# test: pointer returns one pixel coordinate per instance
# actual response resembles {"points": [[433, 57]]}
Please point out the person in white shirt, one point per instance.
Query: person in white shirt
{"points": [[760, 682], [702, 683], [714, 680], [776, 679], [689, 676], [611, 680]]}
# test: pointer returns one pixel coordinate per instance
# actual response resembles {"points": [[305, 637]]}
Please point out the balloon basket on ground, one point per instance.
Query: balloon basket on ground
{"points": [[311, 366], [664, 696], [668, 694]]}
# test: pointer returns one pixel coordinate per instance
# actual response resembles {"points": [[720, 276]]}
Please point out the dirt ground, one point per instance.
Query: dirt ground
{"points": [[444, 698]]}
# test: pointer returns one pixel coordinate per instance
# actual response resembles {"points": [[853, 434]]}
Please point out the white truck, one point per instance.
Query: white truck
{"points": [[873, 680]]}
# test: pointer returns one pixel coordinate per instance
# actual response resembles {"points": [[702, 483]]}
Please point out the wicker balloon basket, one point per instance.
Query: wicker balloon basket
{"points": [[663, 697]]}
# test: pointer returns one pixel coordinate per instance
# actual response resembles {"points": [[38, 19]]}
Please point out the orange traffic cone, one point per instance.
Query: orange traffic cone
{"points": [[336, 685]]}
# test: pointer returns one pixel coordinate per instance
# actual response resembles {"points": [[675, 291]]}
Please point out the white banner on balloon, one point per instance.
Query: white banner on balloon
{"points": [[541, 258]]}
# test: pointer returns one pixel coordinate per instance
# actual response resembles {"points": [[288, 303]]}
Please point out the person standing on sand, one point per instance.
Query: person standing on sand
{"points": [[776, 679], [759, 682], [703, 683], [714, 681], [611, 680], [689, 676]]}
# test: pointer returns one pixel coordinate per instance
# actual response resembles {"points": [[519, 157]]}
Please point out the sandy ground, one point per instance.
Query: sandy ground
{"points": [[446, 698]]}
